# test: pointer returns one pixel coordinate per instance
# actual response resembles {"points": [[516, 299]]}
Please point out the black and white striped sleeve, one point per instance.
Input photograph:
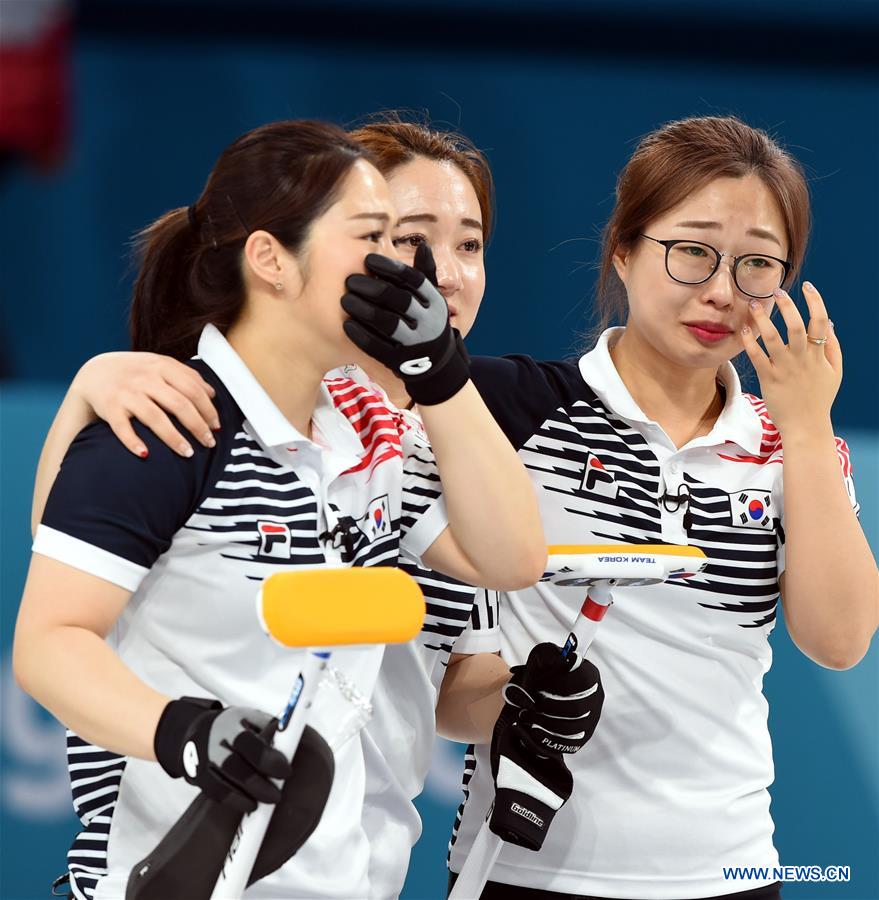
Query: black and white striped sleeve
{"points": [[483, 631], [423, 508]]}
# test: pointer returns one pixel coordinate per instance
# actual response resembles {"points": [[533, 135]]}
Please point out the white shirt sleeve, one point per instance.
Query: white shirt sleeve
{"points": [[483, 631]]}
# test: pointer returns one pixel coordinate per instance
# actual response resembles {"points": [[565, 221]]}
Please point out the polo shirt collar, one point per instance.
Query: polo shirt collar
{"points": [[266, 420], [738, 422]]}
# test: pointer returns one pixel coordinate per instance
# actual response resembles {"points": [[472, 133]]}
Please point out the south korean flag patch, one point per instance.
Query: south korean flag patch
{"points": [[751, 509], [377, 521], [597, 479]]}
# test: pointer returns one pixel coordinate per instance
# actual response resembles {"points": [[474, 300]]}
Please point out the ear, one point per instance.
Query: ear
{"points": [[620, 260], [270, 264]]}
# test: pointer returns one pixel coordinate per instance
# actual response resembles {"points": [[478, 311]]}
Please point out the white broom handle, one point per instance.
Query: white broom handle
{"points": [[478, 865], [487, 846], [238, 865]]}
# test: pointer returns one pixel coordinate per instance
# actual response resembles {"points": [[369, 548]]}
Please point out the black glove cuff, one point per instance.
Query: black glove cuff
{"points": [[174, 725], [520, 819], [443, 381]]}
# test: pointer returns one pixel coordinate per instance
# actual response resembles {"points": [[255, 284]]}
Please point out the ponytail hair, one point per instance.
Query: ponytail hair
{"points": [[278, 178]]}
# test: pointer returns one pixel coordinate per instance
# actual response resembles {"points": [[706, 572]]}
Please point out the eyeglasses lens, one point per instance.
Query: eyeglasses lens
{"points": [[692, 263], [759, 276]]}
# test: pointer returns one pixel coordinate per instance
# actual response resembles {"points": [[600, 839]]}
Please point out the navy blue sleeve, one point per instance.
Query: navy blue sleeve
{"points": [[521, 393], [112, 514]]}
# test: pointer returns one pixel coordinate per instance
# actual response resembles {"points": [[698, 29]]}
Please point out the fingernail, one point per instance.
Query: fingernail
{"points": [[141, 451], [808, 286], [186, 450], [746, 329], [208, 440], [832, 326], [754, 304], [778, 292], [215, 425]]}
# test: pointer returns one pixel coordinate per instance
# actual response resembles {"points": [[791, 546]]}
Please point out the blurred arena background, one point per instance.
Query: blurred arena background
{"points": [[111, 113]]}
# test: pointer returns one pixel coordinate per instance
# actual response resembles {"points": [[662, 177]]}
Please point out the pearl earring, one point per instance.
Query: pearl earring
{"points": [[278, 286]]}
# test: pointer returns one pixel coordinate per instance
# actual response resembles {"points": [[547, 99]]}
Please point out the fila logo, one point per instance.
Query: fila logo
{"points": [[274, 540], [597, 479], [751, 509]]}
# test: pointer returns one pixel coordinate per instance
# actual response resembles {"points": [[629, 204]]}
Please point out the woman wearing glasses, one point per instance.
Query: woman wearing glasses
{"points": [[649, 438]]}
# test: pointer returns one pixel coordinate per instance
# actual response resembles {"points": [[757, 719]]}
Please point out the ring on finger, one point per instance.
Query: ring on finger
{"points": [[819, 341]]}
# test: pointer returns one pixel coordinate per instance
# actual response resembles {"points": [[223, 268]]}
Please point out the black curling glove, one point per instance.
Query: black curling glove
{"points": [[552, 705], [530, 787], [225, 752], [399, 317], [558, 699]]}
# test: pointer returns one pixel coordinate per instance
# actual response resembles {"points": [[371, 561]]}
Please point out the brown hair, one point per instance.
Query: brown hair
{"points": [[394, 142], [279, 177], [682, 157]]}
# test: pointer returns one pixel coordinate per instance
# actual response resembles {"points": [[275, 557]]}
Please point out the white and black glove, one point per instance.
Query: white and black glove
{"points": [[552, 706], [530, 787], [191, 856], [558, 698], [228, 753], [399, 317]]}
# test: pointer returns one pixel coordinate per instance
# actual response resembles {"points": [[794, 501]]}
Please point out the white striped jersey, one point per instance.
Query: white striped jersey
{"points": [[193, 539], [400, 737], [673, 784]]}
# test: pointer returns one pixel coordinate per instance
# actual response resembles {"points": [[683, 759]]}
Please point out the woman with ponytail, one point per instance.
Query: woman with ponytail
{"points": [[442, 188], [136, 627]]}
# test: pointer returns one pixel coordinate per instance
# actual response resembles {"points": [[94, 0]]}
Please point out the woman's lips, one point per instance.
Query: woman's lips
{"points": [[708, 332]]}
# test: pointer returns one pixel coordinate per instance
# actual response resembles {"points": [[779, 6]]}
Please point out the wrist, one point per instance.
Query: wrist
{"points": [[174, 725], [807, 434], [79, 387], [520, 818], [445, 380]]}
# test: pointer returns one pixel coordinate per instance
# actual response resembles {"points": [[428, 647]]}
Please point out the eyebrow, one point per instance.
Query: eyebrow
{"points": [[384, 217], [430, 217], [752, 232]]}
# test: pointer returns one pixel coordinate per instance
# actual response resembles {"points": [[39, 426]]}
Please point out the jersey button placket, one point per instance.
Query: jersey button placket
{"points": [[327, 517], [672, 511]]}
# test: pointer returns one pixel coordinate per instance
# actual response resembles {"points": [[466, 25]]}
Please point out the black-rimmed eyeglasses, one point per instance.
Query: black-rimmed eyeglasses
{"points": [[692, 262]]}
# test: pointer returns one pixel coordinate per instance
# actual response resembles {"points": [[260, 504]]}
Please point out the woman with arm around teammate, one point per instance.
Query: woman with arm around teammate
{"points": [[441, 186], [164, 559]]}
